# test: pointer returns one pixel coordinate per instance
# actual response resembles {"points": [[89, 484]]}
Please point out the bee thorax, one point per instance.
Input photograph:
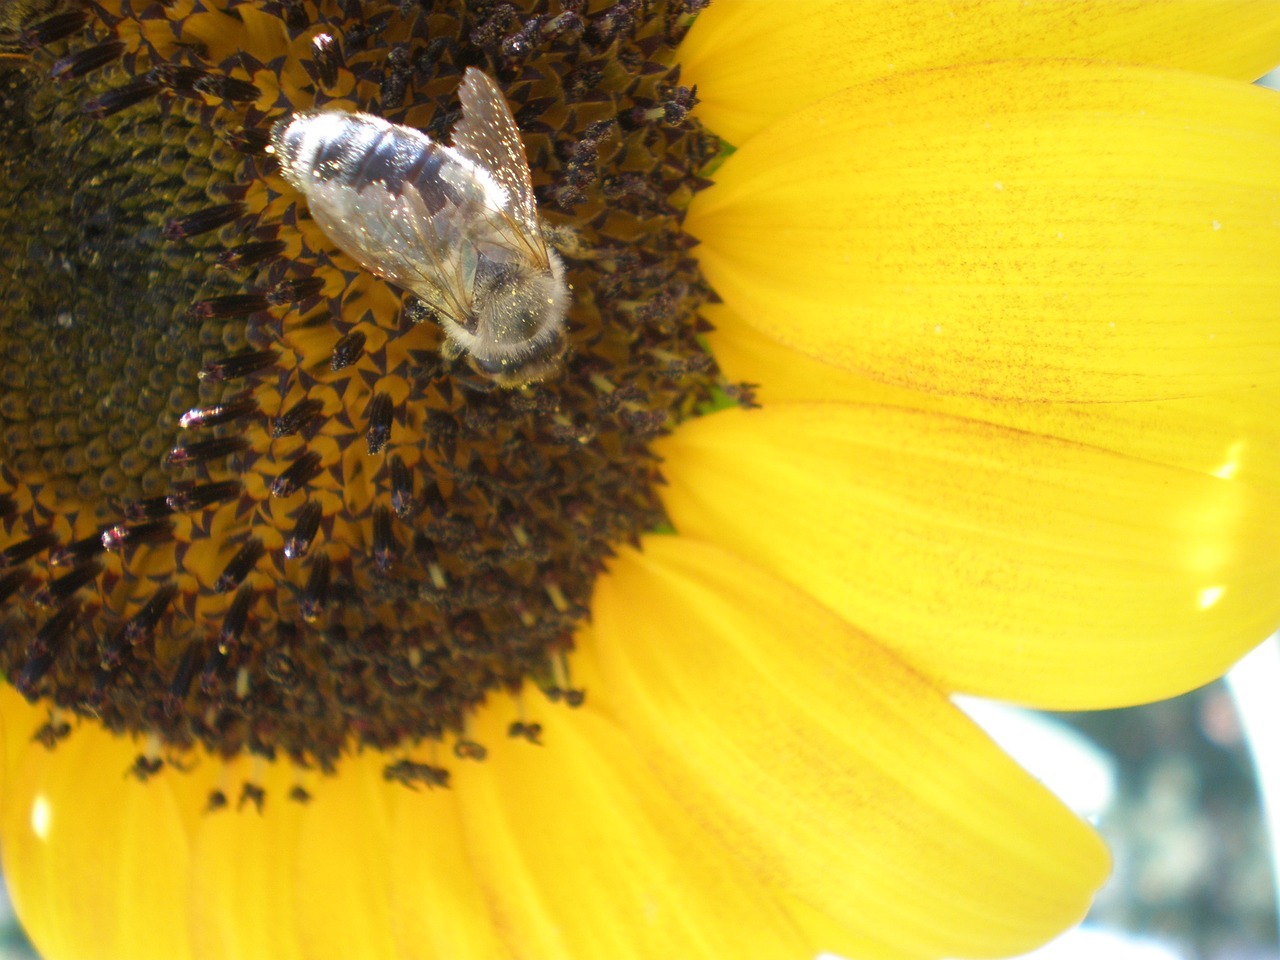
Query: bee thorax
{"points": [[516, 331]]}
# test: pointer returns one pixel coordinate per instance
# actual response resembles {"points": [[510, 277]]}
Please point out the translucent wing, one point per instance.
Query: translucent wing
{"points": [[397, 238], [487, 135]]}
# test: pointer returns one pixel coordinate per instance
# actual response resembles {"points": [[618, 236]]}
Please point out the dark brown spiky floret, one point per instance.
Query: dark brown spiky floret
{"points": [[244, 503]]}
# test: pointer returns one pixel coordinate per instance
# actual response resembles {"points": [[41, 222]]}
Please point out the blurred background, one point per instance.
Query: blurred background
{"points": [[1179, 790]]}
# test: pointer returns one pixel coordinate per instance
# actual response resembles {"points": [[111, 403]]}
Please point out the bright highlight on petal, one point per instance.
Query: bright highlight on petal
{"points": [[97, 864], [811, 787], [1210, 595], [756, 61], [1033, 231], [41, 817], [998, 562]]}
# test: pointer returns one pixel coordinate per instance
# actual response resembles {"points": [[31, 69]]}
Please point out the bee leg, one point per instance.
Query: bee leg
{"points": [[471, 381], [461, 372], [450, 350], [416, 310], [567, 240]]}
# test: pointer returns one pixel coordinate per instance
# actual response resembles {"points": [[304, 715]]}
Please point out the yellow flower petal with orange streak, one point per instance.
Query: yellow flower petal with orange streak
{"points": [[438, 908], [800, 760], [1035, 231], [755, 61], [1230, 434], [585, 854], [777, 372], [97, 863], [998, 562]]}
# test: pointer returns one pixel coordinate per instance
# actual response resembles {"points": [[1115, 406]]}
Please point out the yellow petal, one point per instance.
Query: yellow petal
{"points": [[244, 862], [1035, 231], [998, 562], [777, 372], [831, 937], [585, 855], [1233, 435], [840, 774], [755, 61], [438, 908], [18, 723], [341, 884], [96, 862]]}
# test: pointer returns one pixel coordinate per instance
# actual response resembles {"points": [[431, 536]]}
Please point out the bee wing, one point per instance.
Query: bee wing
{"points": [[397, 238], [487, 135]]}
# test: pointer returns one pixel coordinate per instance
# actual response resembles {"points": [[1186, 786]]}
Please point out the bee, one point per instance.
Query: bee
{"points": [[457, 226]]}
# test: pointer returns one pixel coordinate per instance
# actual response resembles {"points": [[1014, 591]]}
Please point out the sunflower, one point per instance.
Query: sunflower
{"points": [[950, 368]]}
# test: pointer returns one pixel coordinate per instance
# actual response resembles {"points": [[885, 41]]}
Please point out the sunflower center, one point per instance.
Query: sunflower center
{"points": [[94, 327], [245, 501]]}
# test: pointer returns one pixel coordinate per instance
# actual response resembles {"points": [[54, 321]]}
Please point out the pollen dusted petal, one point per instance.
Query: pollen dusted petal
{"points": [[999, 562], [799, 760], [1033, 231], [1234, 435], [96, 862], [584, 854], [743, 54], [778, 372], [1228, 434]]}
